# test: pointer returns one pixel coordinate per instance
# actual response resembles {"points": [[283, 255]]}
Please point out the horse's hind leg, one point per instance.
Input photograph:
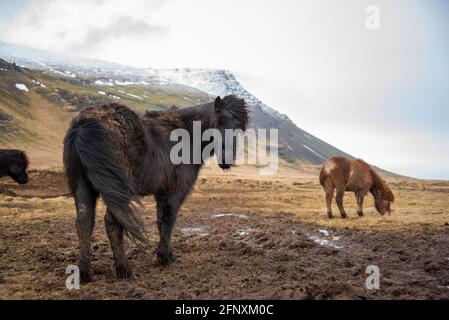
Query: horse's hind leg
{"points": [[85, 202], [329, 189], [339, 198], [115, 235], [167, 210]]}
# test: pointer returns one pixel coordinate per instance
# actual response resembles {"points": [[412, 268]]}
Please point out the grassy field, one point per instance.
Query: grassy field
{"points": [[237, 236]]}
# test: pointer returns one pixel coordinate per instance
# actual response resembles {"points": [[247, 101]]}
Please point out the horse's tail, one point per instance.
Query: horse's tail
{"points": [[323, 177], [88, 153]]}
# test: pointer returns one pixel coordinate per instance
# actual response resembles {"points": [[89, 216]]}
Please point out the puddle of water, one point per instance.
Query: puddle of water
{"points": [[194, 231], [244, 232], [223, 215], [324, 242], [327, 240], [442, 287]]}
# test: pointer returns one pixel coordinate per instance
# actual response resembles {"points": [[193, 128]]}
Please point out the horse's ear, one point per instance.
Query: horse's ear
{"points": [[218, 104]]}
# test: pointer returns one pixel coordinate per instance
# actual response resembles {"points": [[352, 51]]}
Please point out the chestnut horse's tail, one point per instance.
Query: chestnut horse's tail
{"points": [[88, 154]]}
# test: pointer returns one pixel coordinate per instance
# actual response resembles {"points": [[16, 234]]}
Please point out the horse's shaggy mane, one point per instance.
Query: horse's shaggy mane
{"points": [[381, 185], [236, 106]]}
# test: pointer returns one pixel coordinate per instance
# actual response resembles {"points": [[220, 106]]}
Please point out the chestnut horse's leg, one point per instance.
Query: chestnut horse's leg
{"points": [[329, 196], [328, 187], [115, 235], [360, 196], [339, 198], [85, 202], [167, 210]]}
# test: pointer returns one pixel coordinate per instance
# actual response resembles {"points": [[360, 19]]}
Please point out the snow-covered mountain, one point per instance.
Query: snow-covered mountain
{"points": [[295, 145]]}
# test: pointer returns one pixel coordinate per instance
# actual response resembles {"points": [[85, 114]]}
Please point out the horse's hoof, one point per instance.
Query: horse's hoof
{"points": [[330, 216], [124, 272], [344, 216], [360, 214], [165, 259], [85, 276]]}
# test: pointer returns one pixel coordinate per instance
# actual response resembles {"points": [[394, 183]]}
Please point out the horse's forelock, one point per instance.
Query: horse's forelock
{"points": [[237, 108]]}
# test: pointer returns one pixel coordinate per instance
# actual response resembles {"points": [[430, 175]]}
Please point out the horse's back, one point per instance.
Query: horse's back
{"points": [[125, 132], [344, 172]]}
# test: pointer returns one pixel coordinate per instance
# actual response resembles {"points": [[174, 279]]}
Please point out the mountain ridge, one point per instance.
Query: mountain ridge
{"points": [[295, 145]]}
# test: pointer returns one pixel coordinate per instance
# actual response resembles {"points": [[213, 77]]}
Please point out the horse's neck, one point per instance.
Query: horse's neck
{"points": [[202, 114]]}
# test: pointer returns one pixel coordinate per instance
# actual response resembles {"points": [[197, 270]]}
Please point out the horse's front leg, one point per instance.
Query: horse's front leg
{"points": [[360, 196], [167, 211]]}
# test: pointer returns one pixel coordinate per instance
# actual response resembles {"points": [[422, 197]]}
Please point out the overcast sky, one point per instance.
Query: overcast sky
{"points": [[381, 95]]}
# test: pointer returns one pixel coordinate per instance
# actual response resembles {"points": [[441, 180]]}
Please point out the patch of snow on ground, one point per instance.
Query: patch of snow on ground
{"points": [[134, 96], [102, 93], [22, 87]]}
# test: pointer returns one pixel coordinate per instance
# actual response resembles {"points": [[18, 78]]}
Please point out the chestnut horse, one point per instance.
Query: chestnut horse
{"points": [[356, 176]]}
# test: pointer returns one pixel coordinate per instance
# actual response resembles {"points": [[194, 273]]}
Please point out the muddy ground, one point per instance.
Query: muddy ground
{"points": [[237, 237]]}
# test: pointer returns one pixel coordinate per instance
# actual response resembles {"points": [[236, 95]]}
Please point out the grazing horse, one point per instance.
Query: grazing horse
{"points": [[356, 176], [112, 152], [14, 163]]}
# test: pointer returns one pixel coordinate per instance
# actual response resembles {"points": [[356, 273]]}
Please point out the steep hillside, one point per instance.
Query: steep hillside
{"points": [[36, 107], [295, 145]]}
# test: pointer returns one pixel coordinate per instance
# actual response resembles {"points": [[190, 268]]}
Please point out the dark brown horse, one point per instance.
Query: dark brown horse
{"points": [[110, 151], [14, 163], [357, 176]]}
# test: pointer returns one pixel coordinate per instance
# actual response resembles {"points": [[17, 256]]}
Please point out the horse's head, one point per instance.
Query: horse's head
{"points": [[384, 200], [18, 166], [231, 114]]}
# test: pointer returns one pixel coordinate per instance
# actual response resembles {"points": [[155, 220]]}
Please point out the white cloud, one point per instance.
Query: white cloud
{"points": [[83, 27]]}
